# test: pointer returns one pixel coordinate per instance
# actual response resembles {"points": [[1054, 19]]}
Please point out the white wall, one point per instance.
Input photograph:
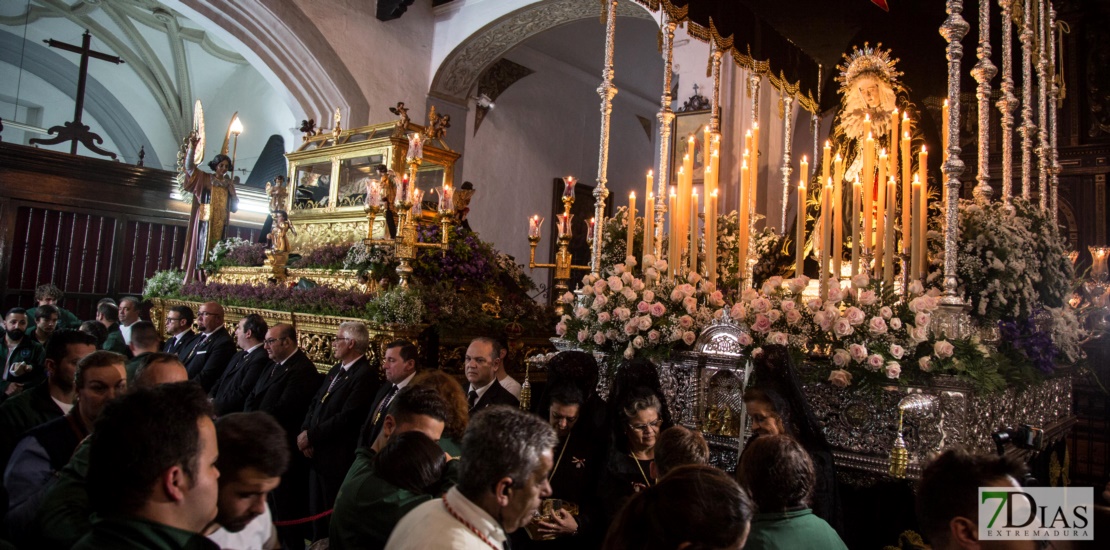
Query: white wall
{"points": [[547, 125]]}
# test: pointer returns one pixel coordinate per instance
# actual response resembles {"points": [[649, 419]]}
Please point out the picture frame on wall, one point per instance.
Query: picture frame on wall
{"points": [[685, 124]]}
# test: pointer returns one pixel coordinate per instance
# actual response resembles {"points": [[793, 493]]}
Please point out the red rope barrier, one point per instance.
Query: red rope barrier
{"points": [[292, 522]]}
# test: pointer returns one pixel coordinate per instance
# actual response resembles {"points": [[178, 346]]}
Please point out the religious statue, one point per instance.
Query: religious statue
{"points": [[387, 185], [402, 113], [869, 92], [462, 203], [278, 193], [279, 242], [214, 198]]}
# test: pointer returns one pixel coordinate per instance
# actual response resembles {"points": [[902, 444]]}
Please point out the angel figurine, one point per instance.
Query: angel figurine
{"points": [[279, 241], [277, 192]]}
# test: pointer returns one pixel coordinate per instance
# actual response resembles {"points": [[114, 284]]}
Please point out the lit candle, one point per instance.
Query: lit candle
{"points": [[944, 132], [564, 224], [650, 181], [826, 233], [649, 226], [685, 186], [825, 157], [880, 213], [836, 209], [856, 206], [590, 223], [867, 179], [630, 219], [417, 201], [892, 143], [923, 226], [888, 242], [404, 194], [711, 242], [800, 233], [907, 189], [568, 191], [753, 170], [534, 224], [923, 167], [447, 199], [694, 231], [804, 176], [742, 216], [867, 124], [374, 194], [672, 243], [915, 249]]}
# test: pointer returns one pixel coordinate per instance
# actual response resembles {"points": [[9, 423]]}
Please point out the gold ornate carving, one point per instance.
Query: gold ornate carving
{"points": [[313, 235]]}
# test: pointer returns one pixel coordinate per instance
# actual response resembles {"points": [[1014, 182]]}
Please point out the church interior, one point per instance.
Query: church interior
{"points": [[893, 213]]}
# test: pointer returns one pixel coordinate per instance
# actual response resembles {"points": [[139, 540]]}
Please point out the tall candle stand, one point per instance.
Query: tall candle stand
{"points": [[405, 244], [562, 265]]}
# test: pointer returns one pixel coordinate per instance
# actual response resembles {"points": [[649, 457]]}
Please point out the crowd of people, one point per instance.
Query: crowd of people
{"points": [[115, 433]]}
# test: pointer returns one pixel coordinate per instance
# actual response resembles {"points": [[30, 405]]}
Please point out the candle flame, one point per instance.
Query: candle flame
{"points": [[895, 111], [906, 136], [755, 125], [882, 152], [946, 103], [916, 179], [650, 172], [905, 116], [804, 158], [632, 195], [923, 149], [827, 144], [748, 133], [867, 117], [673, 192]]}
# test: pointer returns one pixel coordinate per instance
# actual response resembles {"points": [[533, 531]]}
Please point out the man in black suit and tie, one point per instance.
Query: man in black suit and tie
{"points": [[230, 392], [330, 429], [285, 390], [399, 366], [179, 328], [483, 361], [213, 349]]}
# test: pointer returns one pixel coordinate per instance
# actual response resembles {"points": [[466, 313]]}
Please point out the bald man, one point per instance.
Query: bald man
{"points": [[214, 347]]}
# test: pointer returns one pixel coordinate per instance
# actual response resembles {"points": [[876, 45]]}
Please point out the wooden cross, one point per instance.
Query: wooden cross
{"points": [[75, 131]]}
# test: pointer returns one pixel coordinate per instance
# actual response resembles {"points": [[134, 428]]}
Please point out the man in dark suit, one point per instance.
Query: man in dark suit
{"points": [[107, 314], [330, 429], [179, 328], [285, 390], [483, 361], [213, 350], [229, 393], [399, 366]]}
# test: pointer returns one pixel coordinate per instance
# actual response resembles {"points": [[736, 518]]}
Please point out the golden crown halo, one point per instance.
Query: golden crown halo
{"points": [[867, 61]]}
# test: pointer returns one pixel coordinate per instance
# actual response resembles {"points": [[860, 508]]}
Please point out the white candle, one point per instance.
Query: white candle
{"points": [[649, 226], [630, 219], [800, 237], [694, 231]]}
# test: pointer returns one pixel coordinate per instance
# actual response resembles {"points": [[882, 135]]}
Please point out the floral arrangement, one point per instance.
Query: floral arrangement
{"points": [[329, 256], [235, 252], [397, 306], [164, 283], [629, 316], [321, 300]]}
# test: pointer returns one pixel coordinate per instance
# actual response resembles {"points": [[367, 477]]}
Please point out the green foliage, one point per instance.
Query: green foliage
{"points": [[163, 284]]}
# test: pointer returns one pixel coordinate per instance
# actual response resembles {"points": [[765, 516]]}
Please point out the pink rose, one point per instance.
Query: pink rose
{"points": [[677, 296], [738, 311], [885, 312], [716, 299], [835, 294], [925, 363], [599, 302], [855, 315], [861, 280], [788, 305], [644, 322], [895, 324], [744, 339], [858, 352], [840, 378], [600, 286], [629, 294], [643, 307], [868, 297], [919, 334], [568, 297], [841, 357], [761, 324], [622, 313], [615, 283], [603, 317], [877, 326], [757, 353], [916, 288], [798, 284], [583, 335], [792, 317], [581, 312], [893, 370], [749, 294], [842, 328], [922, 319], [653, 336], [561, 329], [629, 353], [588, 290], [686, 321], [814, 305], [688, 337], [824, 320], [693, 278], [599, 338], [875, 361], [649, 296], [774, 315], [637, 285], [690, 303], [658, 309], [638, 342], [631, 327], [897, 351], [778, 338], [627, 278], [660, 265], [943, 349], [761, 304]]}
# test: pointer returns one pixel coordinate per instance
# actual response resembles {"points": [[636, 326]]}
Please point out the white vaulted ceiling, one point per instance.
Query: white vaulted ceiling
{"points": [[147, 102]]}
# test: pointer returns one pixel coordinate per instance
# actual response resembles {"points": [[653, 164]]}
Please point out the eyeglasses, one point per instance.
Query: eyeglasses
{"points": [[272, 341], [649, 427]]}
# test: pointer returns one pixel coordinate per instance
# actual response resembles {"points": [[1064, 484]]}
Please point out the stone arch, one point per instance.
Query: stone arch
{"points": [[283, 44], [461, 68]]}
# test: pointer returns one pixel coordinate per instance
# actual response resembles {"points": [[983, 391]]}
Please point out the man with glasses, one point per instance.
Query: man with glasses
{"points": [[483, 362], [285, 390], [330, 430], [213, 350], [179, 328]]}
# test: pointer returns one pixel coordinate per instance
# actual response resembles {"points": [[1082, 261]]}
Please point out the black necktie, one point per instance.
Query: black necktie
{"points": [[199, 345], [472, 398], [385, 403]]}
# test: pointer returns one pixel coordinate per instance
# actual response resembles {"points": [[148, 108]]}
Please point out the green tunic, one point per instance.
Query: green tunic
{"points": [[66, 319], [64, 515], [790, 530], [115, 342], [368, 507], [121, 534]]}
